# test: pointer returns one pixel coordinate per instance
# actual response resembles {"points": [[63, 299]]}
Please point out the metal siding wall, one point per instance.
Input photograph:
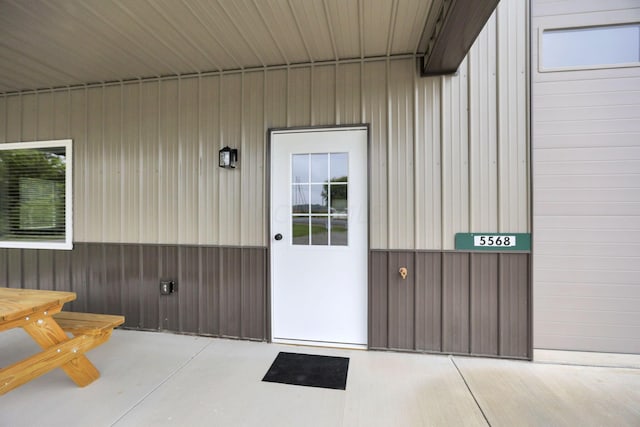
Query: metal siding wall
{"points": [[230, 191], [513, 112], [323, 98], [461, 303], [209, 184], [428, 301], [586, 147], [400, 141], [221, 291], [448, 154], [483, 171], [428, 185], [374, 111], [348, 93], [253, 158]]}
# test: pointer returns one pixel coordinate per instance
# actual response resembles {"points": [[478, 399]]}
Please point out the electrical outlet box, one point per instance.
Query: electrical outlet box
{"points": [[168, 287]]}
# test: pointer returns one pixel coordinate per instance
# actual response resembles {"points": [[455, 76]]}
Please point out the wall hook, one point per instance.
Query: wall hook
{"points": [[403, 272]]}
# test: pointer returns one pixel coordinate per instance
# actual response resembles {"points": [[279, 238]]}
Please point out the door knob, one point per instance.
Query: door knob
{"points": [[278, 236]]}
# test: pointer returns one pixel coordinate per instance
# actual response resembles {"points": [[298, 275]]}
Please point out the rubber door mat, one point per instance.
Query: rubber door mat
{"points": [[309, 370]]}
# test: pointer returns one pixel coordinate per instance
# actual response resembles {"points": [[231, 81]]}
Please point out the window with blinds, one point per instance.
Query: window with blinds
{"points": [[36, 195]]}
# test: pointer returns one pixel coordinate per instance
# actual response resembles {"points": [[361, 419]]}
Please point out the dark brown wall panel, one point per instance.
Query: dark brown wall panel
{"points": [[428, 301], [230, 291], [455, 303], [484, 304], [378, 300], [254, 272], [46, 273], [149, 295], [401, 301], [451, 302], [221, 291], [514, 305], [169, 304], [210, 306], [14, 268], [189, 289], [131, 279], [30, 269]]}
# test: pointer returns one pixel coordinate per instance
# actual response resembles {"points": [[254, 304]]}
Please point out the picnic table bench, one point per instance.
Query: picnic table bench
{"points": [[39, 314]]}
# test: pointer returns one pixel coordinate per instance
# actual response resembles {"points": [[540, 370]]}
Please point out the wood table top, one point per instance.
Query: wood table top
{"points": [[15, 303]]}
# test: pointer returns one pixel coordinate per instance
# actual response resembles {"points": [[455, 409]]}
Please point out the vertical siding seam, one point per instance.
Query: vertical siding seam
{"points": [[140, 166], [498, 122], [122, 168], [388, 150], [311, 109], [361, 29], [470, 162], [102, 167], [86, 144], [499, 305], [219, 180], [469, 305], [442, 177], [336, 104], [160, 174], [198, 191], [287, 109], [179, 227], [266, 191], [416, 222], [242, 146], [442, 308]]}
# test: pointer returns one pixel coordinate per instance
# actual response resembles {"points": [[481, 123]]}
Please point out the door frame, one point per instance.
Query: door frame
{"points": [[268, 299]]}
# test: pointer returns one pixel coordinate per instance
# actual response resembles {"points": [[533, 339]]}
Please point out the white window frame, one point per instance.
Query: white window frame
{"points": [[68, 241], [542, 29]]}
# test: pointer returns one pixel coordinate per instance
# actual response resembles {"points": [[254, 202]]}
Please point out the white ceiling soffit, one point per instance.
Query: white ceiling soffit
{"points": [[47, 44]]}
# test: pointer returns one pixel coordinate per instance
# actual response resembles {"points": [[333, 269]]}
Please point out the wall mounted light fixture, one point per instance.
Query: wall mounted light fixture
{"points": [[228, 158]]}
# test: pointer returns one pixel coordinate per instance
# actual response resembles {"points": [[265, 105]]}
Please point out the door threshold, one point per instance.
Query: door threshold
{"points": [[308, 343]]}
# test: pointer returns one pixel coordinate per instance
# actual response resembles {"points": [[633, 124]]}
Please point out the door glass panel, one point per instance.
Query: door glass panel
{"points": [[319, 230], [338, 199], [300, 198], [319, 202], [319, 167], [300, 168], [339, 165], [339, 231], [300, 230]]}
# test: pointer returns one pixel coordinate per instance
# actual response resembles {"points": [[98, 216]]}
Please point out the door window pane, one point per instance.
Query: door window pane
{"points": [[319, 167], [319, 202], [319, 199], [300, 168], [300, 230], [339, 231], [319, 230], [300, 198], [339, 165], [585, 47]]}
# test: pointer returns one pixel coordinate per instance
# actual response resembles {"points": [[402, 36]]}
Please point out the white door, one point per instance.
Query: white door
{"points": [[319, 236]]}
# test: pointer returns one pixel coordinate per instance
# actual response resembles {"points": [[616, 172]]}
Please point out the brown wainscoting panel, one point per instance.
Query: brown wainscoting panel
{"points": [[378, 300], [455, 303], [428, 301], [515, 306], [451, 302], [221, 290], [401, 303], [484, 304]]}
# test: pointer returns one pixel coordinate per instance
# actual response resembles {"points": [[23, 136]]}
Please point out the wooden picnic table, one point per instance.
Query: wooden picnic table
{"points": [[38, 312]]}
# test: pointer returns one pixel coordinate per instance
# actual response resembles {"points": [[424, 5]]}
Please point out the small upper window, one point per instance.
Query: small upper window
{"points": [[591, 47], [35, 195]]}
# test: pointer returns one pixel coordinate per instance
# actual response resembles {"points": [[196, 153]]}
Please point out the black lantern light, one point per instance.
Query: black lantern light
{"points": [[228, 157]]}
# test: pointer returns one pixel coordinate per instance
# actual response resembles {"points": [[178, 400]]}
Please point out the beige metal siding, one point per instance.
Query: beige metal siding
{"points": [[586, 142], [448, 154]]}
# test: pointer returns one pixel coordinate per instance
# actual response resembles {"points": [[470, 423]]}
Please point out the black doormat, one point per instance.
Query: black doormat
{"points": [[310, 370]]}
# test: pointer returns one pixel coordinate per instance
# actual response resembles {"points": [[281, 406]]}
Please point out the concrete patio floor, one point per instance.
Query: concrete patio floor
{"points": [[158, 379]]}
